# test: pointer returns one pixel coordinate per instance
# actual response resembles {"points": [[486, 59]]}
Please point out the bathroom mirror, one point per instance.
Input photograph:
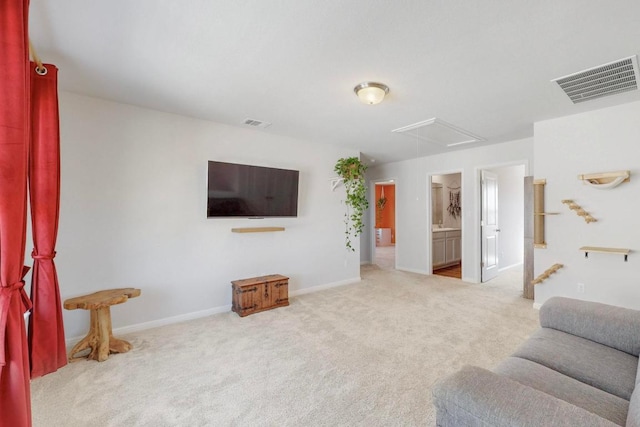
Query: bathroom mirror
{"points": [[436, 203]]}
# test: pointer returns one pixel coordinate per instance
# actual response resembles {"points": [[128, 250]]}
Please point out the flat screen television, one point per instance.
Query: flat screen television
{"points": [[235, 190]]}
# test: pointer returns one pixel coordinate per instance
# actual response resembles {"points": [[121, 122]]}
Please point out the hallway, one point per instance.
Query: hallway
{"points": [[385, 257]]}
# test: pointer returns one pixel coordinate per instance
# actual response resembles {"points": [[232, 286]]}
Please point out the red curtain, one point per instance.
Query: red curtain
{"points": [[15, 400], [46, 331]]}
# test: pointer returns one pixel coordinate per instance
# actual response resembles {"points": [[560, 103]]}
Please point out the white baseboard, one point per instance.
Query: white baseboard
{"points": [[413, 270], [510, 266], [160, 322], [205, 313], [325, 286], [537, 305]]}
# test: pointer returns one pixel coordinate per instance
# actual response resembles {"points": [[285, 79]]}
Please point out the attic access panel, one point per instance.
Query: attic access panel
{"points": [[439, 132]]}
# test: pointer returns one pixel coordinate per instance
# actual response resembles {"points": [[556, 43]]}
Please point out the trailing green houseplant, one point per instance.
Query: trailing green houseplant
{"points": [[352, 170]]}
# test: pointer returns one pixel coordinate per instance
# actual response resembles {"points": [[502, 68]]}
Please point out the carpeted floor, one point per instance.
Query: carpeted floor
{"points": [[364, 354]]}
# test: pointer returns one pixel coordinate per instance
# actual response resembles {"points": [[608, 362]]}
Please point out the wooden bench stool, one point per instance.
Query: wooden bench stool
{"points": [[100, 339]]}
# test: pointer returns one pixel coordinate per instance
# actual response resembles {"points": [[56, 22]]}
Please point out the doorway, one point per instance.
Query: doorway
{"points": [[446, 225], [502, 221], [384, 248]]}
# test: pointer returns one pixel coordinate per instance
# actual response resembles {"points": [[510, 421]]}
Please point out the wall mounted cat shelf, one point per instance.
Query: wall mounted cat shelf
{"points": [[606, 180], [548, 272], [620, 251], [579, 211]]}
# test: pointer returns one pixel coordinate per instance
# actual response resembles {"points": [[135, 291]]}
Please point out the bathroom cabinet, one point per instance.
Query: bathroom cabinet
{"points": [[446, 247]]}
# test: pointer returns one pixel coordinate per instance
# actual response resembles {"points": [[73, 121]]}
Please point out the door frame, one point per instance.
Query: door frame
{"points": [[372, 216], [430, 219]]}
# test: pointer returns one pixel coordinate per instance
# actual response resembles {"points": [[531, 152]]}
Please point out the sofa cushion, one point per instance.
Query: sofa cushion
{"points": [[595, 364], [633, 418], [475, 397], [594, 400], [612, 326]]}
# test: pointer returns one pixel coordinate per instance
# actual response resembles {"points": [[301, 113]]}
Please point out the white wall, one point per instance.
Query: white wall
{"points": [[413, 188], [133, 212], [367, 239], [510, 215], [598, 141]]}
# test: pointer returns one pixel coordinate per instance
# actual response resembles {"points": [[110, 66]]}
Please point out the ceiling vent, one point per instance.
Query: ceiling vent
{"points": [[604, 80], [256, 123], [438, 132]]}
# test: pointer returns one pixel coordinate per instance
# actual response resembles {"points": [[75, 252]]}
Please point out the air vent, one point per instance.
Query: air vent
{"points": [[256, 123], [438, 132], [604, 80]]}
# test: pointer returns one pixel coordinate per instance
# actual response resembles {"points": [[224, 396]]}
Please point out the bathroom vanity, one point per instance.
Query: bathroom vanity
{"points": [[446, 247]]}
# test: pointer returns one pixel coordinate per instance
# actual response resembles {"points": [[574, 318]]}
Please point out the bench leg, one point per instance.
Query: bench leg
{"points": [[87, 342], [100, 338], [114, 345], [103, 326]]}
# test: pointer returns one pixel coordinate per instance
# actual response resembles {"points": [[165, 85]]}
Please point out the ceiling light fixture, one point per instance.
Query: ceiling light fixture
{"points": [[371, 93]]}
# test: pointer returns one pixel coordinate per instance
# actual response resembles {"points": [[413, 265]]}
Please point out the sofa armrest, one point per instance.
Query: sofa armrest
{"points": [[609, 325], [476, 397]]}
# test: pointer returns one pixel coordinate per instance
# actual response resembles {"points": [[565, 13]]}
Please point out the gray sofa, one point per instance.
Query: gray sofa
{"points": [[579, 369]]}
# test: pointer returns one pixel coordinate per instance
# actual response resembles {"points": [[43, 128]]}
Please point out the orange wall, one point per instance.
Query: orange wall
{"points": [[388, 217]]}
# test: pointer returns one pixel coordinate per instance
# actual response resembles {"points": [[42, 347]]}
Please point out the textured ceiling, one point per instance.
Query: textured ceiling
{"points": [[483, 66]]}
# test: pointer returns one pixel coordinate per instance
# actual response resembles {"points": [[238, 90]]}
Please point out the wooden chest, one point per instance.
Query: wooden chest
{"points": [[259, 294]]}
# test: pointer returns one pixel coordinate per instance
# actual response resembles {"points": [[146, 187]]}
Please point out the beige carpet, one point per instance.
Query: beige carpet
{"points": [[364, 354]]}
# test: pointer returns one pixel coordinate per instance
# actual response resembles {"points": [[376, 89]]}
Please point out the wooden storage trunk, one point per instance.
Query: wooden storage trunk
{"points": [[259, 294]]}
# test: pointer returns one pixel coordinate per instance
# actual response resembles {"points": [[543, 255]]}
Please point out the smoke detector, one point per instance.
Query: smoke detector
{"points": [[603, 80]]}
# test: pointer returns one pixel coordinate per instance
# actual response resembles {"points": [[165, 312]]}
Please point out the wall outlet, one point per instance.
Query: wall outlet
{"points": [[581, 288]]}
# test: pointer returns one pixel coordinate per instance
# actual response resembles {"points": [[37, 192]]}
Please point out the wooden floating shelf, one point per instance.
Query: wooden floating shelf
{"points": [[618, 251], [546, 213], [540, 245], [256, 229]]}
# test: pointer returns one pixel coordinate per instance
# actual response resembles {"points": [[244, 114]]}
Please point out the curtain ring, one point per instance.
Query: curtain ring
{"points": [[41, 70]]}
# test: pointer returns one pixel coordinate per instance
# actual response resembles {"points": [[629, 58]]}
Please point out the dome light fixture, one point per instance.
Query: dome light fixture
{"points": [[370, 92]]}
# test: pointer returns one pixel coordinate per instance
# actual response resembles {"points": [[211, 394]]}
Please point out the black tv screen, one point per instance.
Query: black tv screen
{"points": [[235, 190]]}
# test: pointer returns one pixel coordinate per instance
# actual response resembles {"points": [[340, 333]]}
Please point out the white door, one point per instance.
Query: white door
{"points": [[489, 225]]}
